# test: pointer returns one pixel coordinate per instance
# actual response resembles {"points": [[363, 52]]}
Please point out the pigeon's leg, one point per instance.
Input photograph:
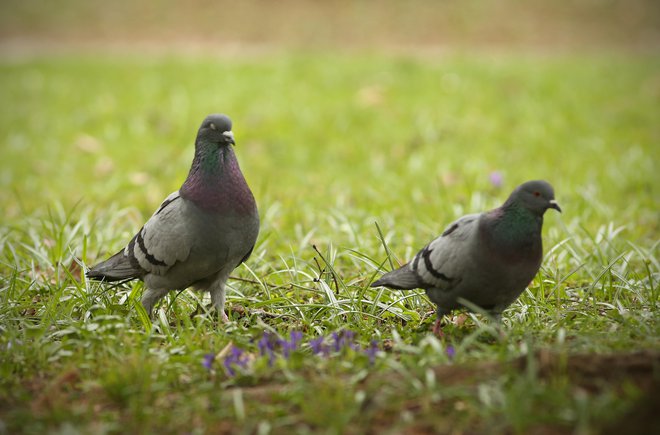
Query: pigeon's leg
{"points": [[496, 322], [437, 327], [217, 290], [150, 297]]}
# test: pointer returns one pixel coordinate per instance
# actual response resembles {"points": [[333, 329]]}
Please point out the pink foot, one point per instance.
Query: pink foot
{"points": [[437, 329]]}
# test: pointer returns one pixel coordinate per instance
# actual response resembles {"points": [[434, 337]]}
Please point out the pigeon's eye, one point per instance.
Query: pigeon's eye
{"points": [[213, 127], [537, 193]]}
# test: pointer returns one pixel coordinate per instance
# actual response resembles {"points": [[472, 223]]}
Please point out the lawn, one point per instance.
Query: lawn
{"points": [[346, 153]]}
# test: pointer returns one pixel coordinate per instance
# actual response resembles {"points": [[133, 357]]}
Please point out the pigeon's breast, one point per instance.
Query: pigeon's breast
{"points": [[227, 229]]}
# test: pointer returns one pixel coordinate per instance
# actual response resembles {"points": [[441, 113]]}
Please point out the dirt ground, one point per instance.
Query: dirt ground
{"points": [[591, 373]]}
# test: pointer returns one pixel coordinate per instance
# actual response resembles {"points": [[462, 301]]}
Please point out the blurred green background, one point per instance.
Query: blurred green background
{"points": [[439, 92]]}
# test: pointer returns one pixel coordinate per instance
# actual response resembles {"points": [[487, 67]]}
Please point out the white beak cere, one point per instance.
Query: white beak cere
{"points": [[555, 205]]}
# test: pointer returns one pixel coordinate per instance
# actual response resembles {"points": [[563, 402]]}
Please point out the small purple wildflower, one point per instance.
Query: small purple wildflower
{"points": [[207, 362], [289, 346], [272, 346], [317, 345], [496, 178], [349, 339], [296, 338], [371, 351], [336, 338], [451, 352], [344, 339], [229, 368], [236, 358], [267, 346]]}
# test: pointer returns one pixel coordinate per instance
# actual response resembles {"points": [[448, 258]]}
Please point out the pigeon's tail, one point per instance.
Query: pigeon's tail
{"points": [[403, 278], [115, 268]]}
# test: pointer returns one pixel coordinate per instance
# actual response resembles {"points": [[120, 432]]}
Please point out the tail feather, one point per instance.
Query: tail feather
{"points": [[400, 279], [115, 268]]}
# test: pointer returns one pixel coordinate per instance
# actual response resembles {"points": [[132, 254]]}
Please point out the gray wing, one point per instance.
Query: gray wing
{"points": [[440, 264], [443, 262], [164, 240]]}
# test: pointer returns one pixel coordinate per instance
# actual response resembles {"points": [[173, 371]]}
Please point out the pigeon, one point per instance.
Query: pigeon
{"points": [[484, 260], [200, 233]]}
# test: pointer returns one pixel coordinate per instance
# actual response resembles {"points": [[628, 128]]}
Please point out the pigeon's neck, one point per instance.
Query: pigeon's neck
{"points": [[215, 181], [514, 230]]}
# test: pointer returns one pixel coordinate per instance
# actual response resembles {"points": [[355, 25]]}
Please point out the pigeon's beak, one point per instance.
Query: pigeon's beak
{"points": [[229, 136], [553, 204]]}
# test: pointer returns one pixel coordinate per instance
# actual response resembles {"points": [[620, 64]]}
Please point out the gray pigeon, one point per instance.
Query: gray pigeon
{"points": [[200, 233], [486, 259]]}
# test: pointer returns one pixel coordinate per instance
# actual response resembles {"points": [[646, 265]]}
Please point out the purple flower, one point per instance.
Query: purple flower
{"points": [[371, 351], [228, 367], [496, 179], [333, 343], [236, 358], [451, 352], [289, 346], [336, 337], [349, 336], [317, 346], [207, 362], [267, 346], [343, 339], [296, 338], [338, 341]]}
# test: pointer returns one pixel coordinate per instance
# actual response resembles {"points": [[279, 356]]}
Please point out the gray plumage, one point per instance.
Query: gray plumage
{"points": [[487, 259], [200, 233]]}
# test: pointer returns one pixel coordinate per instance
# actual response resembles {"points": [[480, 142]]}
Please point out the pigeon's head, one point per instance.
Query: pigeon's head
{"points": [[537, 196], [216, 129]]}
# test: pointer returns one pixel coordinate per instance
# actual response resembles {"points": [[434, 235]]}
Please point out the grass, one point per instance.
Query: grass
{"points": [[346, 155]]}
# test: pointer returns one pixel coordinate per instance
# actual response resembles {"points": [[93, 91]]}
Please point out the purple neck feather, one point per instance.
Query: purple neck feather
{"points": [[215, 182]]}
